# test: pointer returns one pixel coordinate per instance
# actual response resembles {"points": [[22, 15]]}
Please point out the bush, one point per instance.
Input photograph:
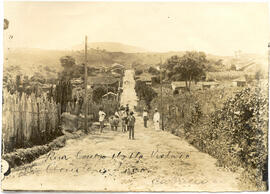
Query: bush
{"points": [[98, 93], [153, 71], [144, 92], [234, 130], [243, 121], [237, 134], [138, 72]]}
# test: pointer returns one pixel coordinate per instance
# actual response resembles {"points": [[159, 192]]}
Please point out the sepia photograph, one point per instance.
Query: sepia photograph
{"points": [[105, 96]]}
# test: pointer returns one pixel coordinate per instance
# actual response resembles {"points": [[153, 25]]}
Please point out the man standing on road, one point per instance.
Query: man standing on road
{"points": [[123, 116], [102, 116], [145, 117], [131, 124], [156, 119]]}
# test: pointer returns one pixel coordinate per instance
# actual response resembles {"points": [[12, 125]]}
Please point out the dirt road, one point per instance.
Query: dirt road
{"points": [[154, 161]]}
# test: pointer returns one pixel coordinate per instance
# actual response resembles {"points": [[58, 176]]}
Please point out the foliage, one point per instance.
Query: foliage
{"points": [[237, 135], [71, 70], [98, 92], [229, 125], [109, 107], [190, 67], [153, 71], [259, 75], [62, 94], [243, 119], [249, 78], [145, 92], [155, 80], [76, 105], [214, 65], [138, 72], [67, 62]]}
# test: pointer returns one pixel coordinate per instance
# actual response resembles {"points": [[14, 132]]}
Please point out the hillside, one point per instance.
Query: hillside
{"points": [[31, 61], [111, 47]]}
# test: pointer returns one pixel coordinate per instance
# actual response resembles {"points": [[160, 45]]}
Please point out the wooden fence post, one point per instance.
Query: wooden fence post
{"points": [[38, 119]]}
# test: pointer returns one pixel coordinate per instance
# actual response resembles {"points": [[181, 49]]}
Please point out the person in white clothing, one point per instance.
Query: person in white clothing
{"points": [[102, 116], [117, 114], [156, 119]]}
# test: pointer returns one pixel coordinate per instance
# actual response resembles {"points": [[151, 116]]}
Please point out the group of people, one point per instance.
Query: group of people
{"points": [[123, 115], [127, 119]]}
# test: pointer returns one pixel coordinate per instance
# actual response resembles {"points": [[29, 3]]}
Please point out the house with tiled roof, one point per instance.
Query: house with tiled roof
{"points": [[107, 81]]}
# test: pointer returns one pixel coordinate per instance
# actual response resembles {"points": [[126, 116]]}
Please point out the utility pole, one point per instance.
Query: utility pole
{"points": [[85, 88], [162, 123]]}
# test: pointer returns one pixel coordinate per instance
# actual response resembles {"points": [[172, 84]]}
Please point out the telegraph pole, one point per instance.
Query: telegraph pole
{"points": [[162, 123], [85, 88]]}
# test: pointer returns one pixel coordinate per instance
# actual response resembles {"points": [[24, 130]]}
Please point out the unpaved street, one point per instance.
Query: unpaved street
{"points": [[154, 161]]}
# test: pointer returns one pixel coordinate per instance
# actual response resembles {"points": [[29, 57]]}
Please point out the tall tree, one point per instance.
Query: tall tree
{"points": [[68, 63], [190, 67], [145, 92]]}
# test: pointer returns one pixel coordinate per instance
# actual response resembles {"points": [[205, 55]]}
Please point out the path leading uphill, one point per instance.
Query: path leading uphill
{"points": [[154, 161]]}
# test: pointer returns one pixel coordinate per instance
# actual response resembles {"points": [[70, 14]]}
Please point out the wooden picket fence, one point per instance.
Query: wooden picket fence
{"points": [[28, 121]]}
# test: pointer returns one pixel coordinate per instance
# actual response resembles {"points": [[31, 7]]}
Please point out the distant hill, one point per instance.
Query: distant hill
{"points": [[32, 61], [111, 47]]}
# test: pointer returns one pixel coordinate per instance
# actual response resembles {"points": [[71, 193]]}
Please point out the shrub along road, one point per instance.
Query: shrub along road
{"points": [[154, 161]]}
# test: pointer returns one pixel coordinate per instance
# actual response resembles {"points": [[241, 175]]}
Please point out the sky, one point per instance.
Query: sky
{"points": [[217, 28]]}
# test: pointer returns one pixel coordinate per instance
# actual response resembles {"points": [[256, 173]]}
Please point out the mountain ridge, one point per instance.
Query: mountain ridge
{"points": [[111, 47], [33, 60]]}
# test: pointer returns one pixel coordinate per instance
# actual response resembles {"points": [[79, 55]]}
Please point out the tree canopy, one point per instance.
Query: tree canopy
{"points": [[145, 92], [71, 70], [189, 67], [67, 61]]}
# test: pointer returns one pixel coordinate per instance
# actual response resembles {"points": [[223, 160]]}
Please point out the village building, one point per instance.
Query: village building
{"points": [[240, 82], [110, 96], [103, 81], [196, 86], [208, 85], [178, 86], [116, 74], [145, 78], [116, 68]]}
